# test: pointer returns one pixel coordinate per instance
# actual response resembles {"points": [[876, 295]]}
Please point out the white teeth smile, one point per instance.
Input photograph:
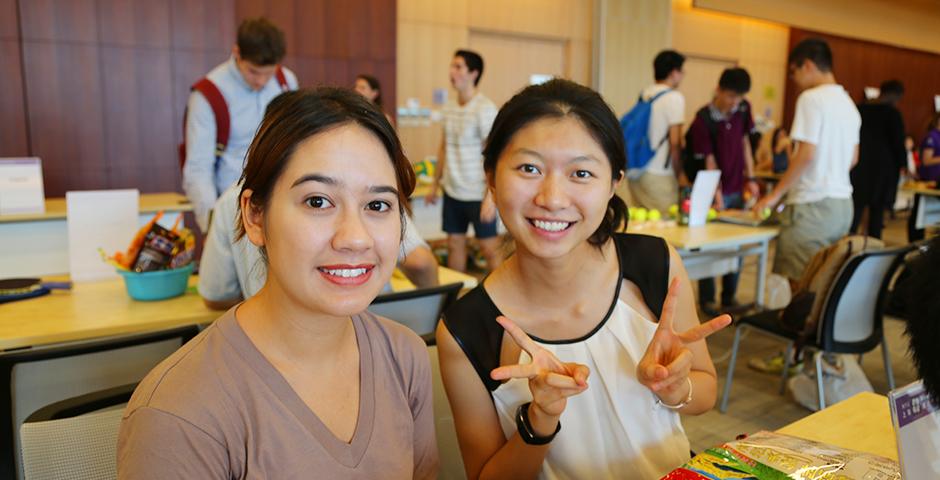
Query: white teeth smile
{"points": [[345, 272], [550, 226]]}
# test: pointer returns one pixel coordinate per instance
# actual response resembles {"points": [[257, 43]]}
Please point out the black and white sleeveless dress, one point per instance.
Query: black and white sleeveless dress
{"points": [[614, 429]]}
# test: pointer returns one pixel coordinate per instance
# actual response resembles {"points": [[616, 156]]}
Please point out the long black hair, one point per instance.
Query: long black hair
{"points": [[558, 99]]}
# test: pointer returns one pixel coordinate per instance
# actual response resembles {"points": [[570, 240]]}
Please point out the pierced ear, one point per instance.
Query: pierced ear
{"points": [[252, 218]]}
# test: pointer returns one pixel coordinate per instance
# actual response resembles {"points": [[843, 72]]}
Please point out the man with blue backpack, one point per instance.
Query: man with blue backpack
{"points": [[652, 133]]}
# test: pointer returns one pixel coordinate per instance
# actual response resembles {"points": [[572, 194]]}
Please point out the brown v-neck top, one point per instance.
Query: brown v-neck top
{"points": [[217, 409]]}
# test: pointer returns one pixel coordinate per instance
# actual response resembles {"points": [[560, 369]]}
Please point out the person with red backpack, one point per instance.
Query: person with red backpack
{"points": [[224, 110]]}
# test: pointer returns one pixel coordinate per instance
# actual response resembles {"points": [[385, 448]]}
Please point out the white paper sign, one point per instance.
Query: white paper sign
{"points": [[105, 219], [21, 189], [703, 195], [916, 423]]}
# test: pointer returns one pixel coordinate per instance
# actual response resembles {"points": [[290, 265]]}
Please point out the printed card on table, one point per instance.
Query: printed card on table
{"points": [[21, 187], [99, 219]]}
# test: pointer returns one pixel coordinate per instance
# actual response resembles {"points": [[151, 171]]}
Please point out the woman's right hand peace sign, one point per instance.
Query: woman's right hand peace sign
{"points": [[551, 381]]}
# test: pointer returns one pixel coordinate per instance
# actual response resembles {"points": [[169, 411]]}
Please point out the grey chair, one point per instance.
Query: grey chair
{"points": [[418, 309], [851, 320], [36, 377], [75, 438]]}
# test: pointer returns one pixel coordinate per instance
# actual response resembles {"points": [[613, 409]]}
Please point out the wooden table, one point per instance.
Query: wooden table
{"points": [[93, 310], [862, 423], [768, 175], [36, 245], [102, 309], [929, 208], [713, 242]]}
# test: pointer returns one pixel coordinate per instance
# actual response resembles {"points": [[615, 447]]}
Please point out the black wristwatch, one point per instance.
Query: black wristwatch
{"points": [[525, 428]]}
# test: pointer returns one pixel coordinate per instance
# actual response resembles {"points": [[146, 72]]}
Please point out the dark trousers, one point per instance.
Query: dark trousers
{"points": [[876, 200], [729, 281]]}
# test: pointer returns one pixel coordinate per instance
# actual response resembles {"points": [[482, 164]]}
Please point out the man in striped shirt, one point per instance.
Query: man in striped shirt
{"points": [[467, 122]]}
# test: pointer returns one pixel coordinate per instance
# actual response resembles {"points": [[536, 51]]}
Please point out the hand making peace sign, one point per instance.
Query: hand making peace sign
{"points": [[551, 381], [667, 362]]}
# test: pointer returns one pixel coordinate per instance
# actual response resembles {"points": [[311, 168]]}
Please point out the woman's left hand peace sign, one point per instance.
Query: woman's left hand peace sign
{"points": [[667, 362]]}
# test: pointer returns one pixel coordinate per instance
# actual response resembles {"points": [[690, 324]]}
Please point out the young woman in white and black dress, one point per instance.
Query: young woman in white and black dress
{"points": [[604, 348]]}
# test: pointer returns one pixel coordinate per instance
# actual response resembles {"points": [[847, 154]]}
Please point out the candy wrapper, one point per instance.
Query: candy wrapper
{"points": [[156, 248], [772, 456]]}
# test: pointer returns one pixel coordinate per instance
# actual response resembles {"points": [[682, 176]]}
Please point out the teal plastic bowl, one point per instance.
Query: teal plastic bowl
{"points": [[157, 285]]}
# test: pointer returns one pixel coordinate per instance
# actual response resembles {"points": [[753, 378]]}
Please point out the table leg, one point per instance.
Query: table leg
{"points": [[761, 273]]}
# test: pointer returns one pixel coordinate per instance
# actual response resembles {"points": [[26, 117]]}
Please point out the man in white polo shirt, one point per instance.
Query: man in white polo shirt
{"points": [[467, 122], [817, 185]]}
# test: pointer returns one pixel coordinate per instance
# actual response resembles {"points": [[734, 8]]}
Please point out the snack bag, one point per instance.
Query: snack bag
{"points": [[185, 249], [157, 249]]}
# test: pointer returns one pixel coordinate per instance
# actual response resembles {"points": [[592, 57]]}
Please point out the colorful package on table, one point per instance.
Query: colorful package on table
{"points": [[772, 456]]}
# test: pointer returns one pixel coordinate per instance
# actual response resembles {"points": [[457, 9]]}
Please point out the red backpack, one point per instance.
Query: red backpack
{"points": [[220, 110]]}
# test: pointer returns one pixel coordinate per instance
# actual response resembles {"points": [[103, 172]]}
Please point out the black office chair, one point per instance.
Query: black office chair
{"points": [[418, 309], [851, 320], [75, 438], [33, 378]]}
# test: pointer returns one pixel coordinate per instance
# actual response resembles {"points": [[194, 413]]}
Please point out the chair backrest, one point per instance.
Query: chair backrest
{"points": [[36, 377], [851, 320], [75, 438], [417, 309]]}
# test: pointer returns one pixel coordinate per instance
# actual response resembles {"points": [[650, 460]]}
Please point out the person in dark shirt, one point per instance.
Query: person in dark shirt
{"points": [[720, 134], [880, 159]]}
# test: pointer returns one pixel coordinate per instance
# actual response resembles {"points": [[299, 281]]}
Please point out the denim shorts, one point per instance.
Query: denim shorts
{"points": [[459, 214]]}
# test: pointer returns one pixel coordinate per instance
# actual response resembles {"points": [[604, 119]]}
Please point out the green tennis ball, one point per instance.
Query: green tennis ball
{"points": [[641, 214], [654, 215], [765, 213]]}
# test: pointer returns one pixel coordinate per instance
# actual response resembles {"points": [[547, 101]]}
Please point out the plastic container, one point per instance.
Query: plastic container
{"points": [[157, 285]]}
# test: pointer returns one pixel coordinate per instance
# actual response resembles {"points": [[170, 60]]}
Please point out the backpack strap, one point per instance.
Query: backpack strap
{"points": [[219, 110], [666, 136], [281, 79], [216, 101], [644, 260]]}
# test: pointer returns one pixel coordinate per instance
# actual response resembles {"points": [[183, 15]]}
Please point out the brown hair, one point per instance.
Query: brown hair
{"points": [[374, 85], [260, 42], [293, 117]]}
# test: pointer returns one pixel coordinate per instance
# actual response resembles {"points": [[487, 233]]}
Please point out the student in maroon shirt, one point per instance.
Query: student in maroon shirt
{"points": [[719, 135]]}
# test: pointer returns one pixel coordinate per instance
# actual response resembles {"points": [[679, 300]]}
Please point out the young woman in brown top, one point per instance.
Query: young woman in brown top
{"points": [[299, 381]]}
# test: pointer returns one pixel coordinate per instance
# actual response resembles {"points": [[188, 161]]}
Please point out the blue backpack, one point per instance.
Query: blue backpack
{"points": [[636, 126]]}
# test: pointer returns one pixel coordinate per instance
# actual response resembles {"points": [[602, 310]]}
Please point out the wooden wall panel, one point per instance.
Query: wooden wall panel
{"points": [[138, 120], [13, 139], [65, 115], [9, 26], [202, 25], [858, 64], [106, 81], [134, 24], [50, 20]]}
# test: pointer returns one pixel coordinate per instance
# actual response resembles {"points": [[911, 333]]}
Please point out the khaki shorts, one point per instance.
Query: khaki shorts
{"points": [[654, 191], [806, 228]]}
